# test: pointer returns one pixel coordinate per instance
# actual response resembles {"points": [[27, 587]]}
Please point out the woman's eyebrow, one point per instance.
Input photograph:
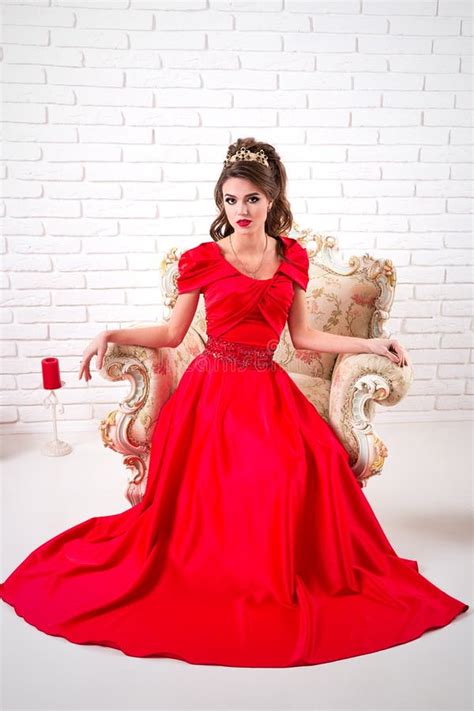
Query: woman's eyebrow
{"points": [[248, 194]]}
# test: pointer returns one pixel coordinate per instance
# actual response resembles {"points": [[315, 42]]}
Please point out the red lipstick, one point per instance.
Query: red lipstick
{"points": [[244, 223]]}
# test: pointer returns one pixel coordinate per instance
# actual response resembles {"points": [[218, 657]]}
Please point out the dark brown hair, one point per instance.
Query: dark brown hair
{"points": [[270, 180]]}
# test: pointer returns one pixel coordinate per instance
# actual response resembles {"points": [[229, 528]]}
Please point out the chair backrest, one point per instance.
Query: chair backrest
{"points": [[350, 299]]}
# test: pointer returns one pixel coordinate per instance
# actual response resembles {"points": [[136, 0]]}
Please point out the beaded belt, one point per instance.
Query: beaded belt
{"points": [[242, 355]]}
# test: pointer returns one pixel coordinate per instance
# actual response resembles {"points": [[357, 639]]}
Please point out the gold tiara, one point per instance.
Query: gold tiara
{"points": [[245, 154]]}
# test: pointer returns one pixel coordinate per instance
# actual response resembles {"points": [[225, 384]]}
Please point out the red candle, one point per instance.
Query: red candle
{"points": [[51, 376]]}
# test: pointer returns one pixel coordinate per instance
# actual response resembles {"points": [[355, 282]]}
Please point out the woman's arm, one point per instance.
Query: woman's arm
{"points": [[304, 337], [169, 334]]}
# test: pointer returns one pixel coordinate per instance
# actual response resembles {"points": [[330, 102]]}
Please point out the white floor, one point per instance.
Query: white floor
{"points": [[423, 500]]}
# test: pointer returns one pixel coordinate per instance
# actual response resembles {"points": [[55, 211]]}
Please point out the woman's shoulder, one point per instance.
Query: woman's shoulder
{"points": [[296, 252], [208, 246], [207, 249], [194, 267], [296, 264], [198, 265], [203, 249], [293, 245]]}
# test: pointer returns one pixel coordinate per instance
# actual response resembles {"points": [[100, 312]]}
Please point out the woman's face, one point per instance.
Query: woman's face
{"points": [[244, 201]]}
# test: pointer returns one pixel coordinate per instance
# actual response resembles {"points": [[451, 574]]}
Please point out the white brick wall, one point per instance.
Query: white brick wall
{"points": [[116, 118]]}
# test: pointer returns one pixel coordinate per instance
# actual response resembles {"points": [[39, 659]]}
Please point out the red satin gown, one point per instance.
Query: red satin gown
{"points": [[254, 545]]}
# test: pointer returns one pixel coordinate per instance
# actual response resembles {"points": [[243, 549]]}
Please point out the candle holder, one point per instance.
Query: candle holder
{"points": [[55, 447]]}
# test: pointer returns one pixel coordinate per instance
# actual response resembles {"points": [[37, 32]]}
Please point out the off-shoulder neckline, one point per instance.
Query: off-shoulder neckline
{"points": [[219, 251]]}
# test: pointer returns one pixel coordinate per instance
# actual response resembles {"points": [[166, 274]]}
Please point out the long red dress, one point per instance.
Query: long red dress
{"points": [[254, 545]]}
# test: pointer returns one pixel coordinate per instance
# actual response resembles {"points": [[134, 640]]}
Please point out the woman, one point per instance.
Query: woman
{"points": [[253, 545]]}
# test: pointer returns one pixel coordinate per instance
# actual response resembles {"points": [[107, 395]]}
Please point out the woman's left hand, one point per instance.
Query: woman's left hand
{"points": [[390, 348]]}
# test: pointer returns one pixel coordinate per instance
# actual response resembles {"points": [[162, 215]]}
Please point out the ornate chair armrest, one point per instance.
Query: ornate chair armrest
{"points": [[359, 380], [153, 374]]}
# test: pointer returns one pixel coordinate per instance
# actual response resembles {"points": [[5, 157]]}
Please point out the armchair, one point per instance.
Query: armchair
{"points": [[351, 299]]}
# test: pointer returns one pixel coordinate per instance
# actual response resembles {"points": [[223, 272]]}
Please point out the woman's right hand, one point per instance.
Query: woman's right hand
{"points": [[98, 346]]}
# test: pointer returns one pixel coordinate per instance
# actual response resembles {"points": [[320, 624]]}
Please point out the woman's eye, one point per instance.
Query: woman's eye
{"points": [[256, 199]]}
